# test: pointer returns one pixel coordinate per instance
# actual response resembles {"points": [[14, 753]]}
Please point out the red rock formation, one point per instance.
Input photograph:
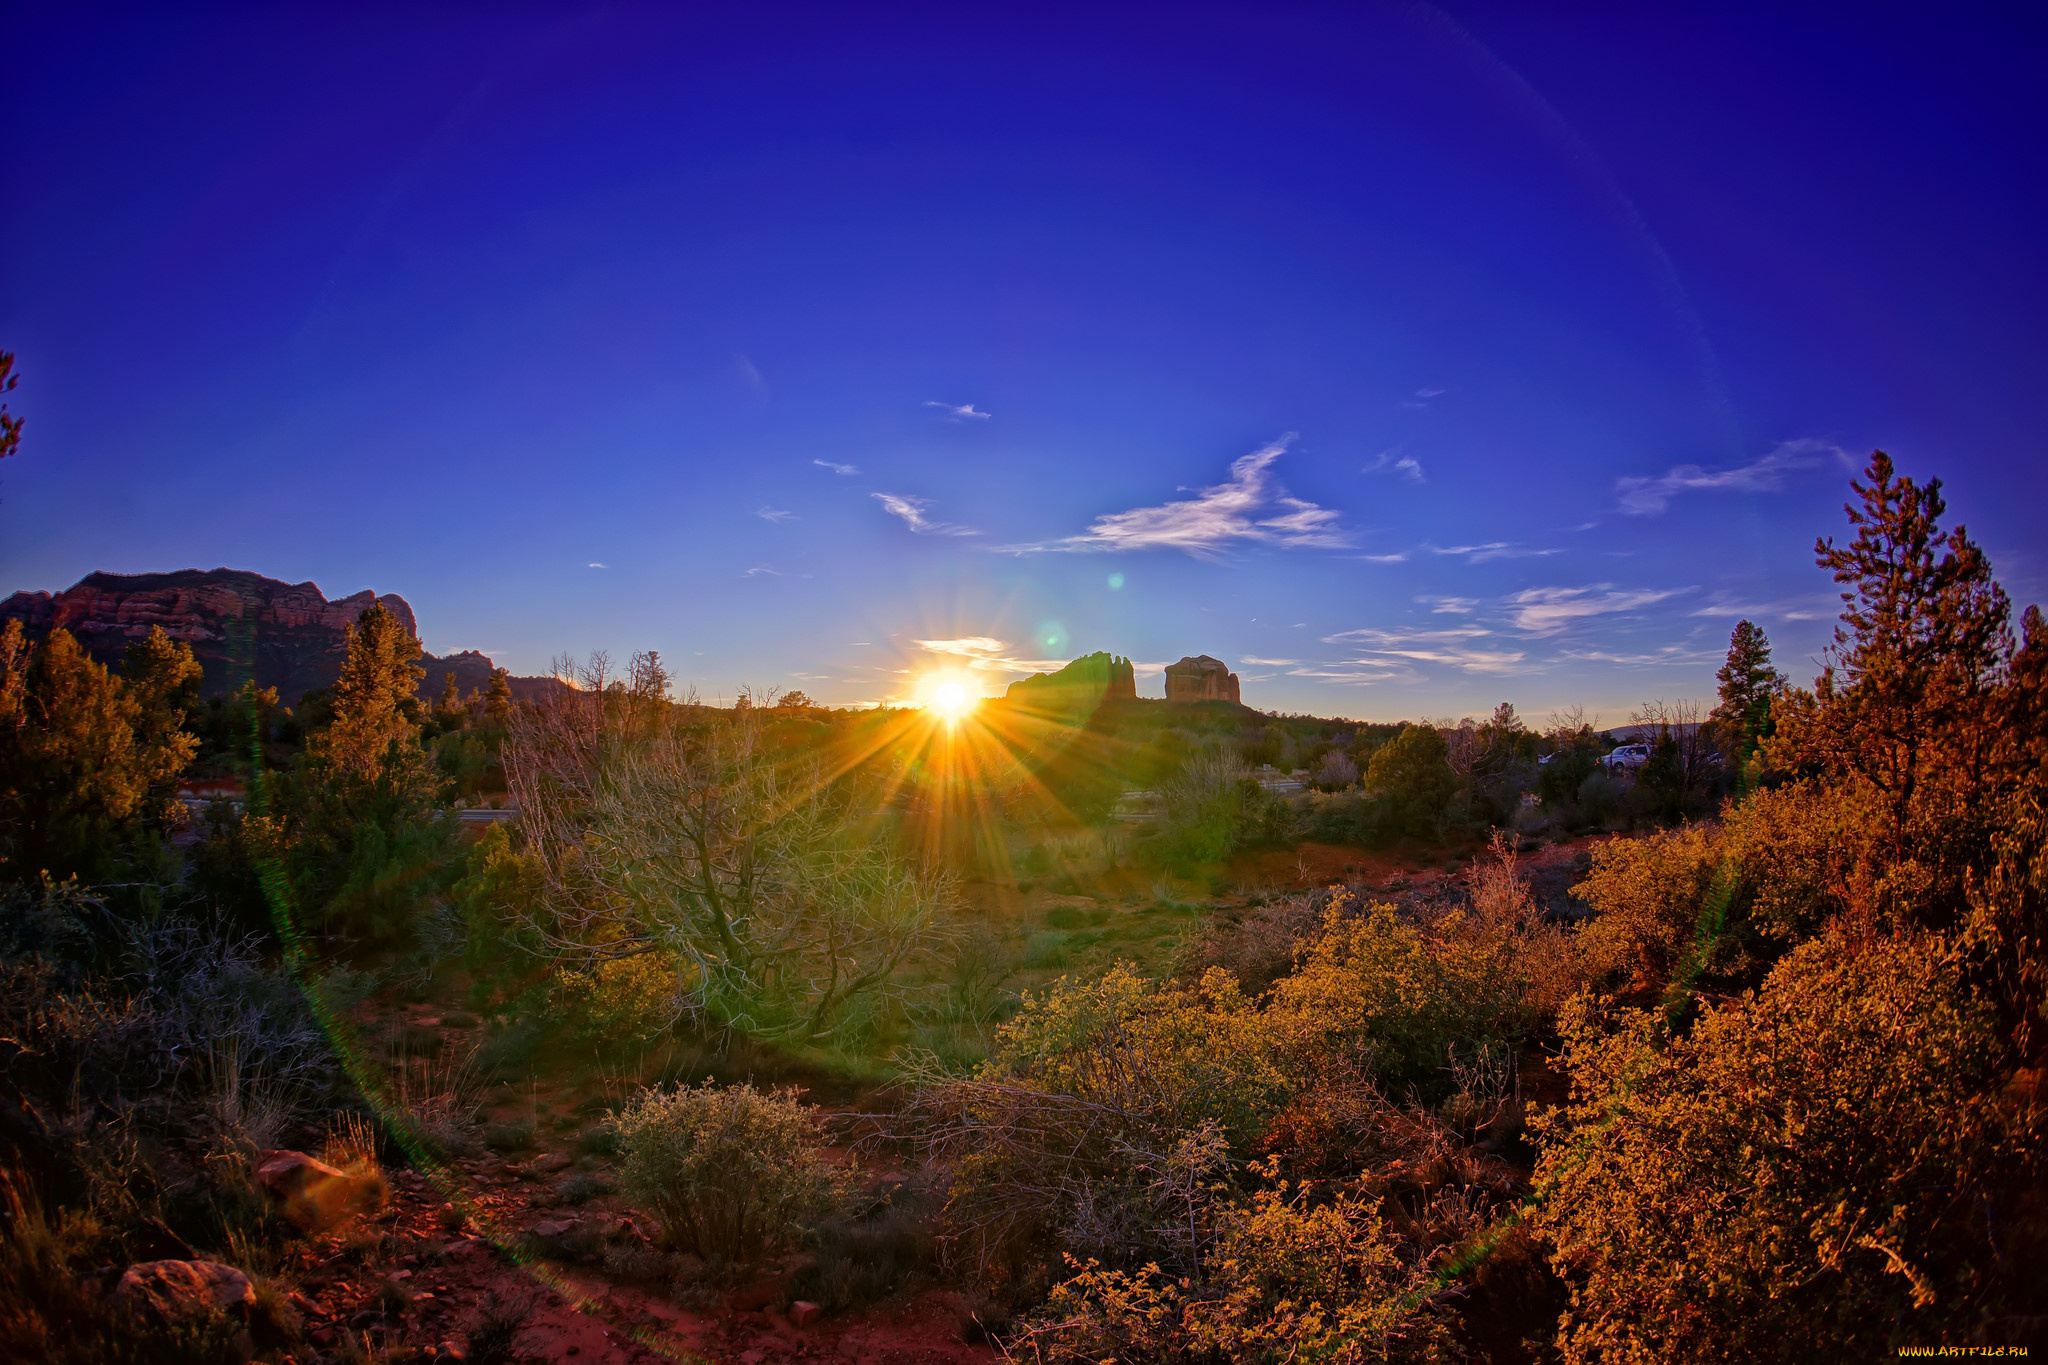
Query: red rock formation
{"points": [[1081, 686], [1201, 678], [240, 625]]}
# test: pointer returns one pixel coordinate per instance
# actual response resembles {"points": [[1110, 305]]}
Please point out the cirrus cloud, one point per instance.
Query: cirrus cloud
{"points": [[1249, 507], [1645, 496], [1546, 611], [911, 512]]}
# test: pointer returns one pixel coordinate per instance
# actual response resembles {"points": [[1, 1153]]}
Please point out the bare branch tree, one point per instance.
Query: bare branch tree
{"points": [[666, 828]]}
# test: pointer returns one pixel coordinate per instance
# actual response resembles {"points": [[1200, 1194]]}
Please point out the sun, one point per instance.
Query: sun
{"points": [[949, 699]]}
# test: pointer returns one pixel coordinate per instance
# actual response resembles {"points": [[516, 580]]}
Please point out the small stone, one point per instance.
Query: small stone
{"points": [[174, 1290], [803, 1313], [552, 1162], [312, 1194]]}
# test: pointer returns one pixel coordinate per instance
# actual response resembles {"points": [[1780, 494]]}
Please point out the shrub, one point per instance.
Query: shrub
{"points": [[1290, 1278], [1047, 948], [1804, 852], [1204, 809], [1817, 1162], [1401, 1003], [1103, 1120], [624, 1002], [1648, 895], [1414, 773], [732, 1173]]}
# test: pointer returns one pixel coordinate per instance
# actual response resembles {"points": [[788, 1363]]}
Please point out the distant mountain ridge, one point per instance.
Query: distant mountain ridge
{"points": [[241, 625]]}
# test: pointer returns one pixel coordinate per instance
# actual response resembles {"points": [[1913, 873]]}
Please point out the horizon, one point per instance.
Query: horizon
{"points": [[1407, 361]]}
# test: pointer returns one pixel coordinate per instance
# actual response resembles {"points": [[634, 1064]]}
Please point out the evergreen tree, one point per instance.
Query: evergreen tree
{"points": [[162, 678], [1748, 682], [1415, 777], [374, 706], [498, 701], [449, 712], [86, 757], [1912, 700]]}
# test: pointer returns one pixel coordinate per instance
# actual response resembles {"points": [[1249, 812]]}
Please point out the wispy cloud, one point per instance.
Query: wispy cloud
{"points": [[962, 412], [1393, 462], [836, 468], [760, 569], [1400, 557], [1669, 654], [1546, 611], [1339, 673], [1642, 495], [911, 512], [1442, 645], [986, 654], [1267, 663], [1248, 507], [1424, 397], [775, 514], [1449, 606], [1406, 635], [1491, 550], [1812, 607], [595, 565]]}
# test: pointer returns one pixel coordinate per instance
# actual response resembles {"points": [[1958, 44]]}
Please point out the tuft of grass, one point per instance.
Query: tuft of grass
{"points": [[496, 1325], [581, 1188], [514, 1135], [351, 1148], [1047, 949]]}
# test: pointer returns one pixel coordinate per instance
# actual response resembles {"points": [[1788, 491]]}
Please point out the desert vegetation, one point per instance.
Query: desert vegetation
{"points": [[1090, 1031]]}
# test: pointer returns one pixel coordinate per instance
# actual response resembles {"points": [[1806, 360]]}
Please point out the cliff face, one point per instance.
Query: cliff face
{"points": [[1081, 686], [240, 625]]}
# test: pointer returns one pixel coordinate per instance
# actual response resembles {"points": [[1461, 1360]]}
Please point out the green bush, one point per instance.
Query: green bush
{"points": [[624, 1003], [1414, 775], [1046, 949], [732, 1173]]}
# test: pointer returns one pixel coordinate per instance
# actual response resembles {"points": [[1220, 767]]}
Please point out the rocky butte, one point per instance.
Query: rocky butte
{"points": [[240, 625], [1079, 687], [1201, 678]]}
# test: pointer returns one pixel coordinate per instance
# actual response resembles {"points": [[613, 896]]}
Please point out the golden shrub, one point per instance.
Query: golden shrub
{"points": [[1809, 1164], [1647, 895]]}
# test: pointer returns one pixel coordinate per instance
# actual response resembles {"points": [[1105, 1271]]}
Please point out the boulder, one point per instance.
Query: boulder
{"points": [[569, 1239], [311, 1193], [172, 1291]]}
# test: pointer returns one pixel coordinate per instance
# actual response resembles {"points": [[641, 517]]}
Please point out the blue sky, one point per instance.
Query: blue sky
{"points": [[1410, 358]]}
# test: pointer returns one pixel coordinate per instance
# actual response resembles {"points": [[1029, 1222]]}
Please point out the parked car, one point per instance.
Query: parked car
{"points": [[1628, 757]]}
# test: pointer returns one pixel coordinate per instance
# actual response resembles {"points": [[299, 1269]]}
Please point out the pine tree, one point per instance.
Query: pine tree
{"points": [[373, 699], [498, 701], [1748, 682], [162, 678], [1911, 699], [449, 710]]}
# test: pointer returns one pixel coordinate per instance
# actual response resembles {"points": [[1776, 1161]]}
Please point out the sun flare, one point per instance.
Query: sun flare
{"points": [[949, 699]]}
